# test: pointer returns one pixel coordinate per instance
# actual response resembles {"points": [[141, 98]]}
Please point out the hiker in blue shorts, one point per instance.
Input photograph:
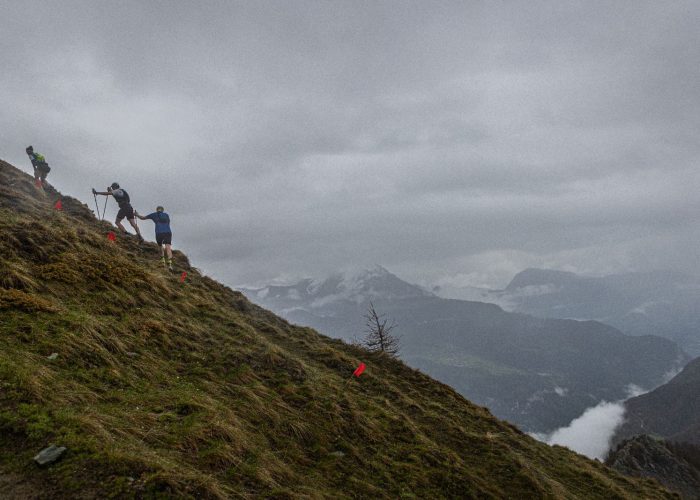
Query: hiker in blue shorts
{"points": [[164, 235]]}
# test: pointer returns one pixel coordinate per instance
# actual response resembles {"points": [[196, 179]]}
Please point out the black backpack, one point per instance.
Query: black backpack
{"points": [[123, 198]]}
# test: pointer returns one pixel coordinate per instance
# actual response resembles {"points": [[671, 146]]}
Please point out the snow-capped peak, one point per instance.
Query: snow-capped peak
{"points": [[354, 286]]}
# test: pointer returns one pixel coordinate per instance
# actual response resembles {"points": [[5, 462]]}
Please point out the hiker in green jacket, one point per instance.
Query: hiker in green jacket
{"points": [[41, 168]]}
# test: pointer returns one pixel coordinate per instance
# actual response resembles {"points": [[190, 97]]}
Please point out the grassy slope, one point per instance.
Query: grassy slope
{"points": [[164, 388]]}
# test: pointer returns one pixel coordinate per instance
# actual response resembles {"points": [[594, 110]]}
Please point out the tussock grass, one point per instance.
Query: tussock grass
{"points": [[163, 389]]}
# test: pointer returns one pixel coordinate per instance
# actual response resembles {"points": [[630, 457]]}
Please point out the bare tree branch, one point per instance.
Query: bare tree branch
{"points": [[378, 333]]}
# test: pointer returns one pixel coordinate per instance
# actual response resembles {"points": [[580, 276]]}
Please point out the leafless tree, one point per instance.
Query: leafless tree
{"points": [[378, 333]]}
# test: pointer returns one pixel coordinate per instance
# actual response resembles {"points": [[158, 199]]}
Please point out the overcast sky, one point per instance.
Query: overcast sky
{"points": [[453, 143]]}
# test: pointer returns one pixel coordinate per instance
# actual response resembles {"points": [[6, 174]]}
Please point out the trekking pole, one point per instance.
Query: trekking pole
{"points": [[96, 206], [105, 208]]}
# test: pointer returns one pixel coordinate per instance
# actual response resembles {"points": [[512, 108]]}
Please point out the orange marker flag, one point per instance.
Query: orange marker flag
{"points": [[111, 236], [183, 276], [58, 205]]}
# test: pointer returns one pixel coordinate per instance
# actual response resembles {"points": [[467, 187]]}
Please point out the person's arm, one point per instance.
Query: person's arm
{"points": [[140, 216], [106, 193]]}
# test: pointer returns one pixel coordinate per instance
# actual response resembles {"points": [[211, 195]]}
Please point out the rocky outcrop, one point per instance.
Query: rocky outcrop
{"points": [[644, 456]]}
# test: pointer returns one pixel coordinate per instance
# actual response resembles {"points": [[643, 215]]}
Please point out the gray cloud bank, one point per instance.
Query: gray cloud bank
{"points": [[458, 141]]}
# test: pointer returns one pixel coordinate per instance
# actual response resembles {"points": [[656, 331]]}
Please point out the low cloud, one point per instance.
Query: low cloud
{"points": [[591, 433]]}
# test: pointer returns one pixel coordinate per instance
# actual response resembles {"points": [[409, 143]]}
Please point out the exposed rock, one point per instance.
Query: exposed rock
{"points": [[52, 357], [49, 455]]}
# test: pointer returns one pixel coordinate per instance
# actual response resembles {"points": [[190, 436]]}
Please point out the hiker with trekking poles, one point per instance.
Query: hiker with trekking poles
{"points": [[164, 235], [125, 209]]}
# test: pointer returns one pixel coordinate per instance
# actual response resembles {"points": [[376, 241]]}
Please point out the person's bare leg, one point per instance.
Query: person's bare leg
{"points": [[120, 226], [169, 251], [133, 224], [136, 228]]}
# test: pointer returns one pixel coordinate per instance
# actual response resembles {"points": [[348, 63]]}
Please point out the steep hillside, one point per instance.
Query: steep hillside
{"points": [[671, 411], [538, 373], [159, 388]]}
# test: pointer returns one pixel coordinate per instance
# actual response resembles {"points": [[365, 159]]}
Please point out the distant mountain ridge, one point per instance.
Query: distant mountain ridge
{"points": [[662, 303], [537, 373]]}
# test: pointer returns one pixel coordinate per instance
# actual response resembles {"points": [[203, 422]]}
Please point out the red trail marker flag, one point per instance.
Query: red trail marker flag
{"points": [[358, 371], [111, 236], [58, 205], [183, 276]]}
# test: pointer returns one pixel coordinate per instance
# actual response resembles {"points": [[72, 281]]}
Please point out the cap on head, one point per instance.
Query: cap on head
{"points": [[115, 185], [160, 209], [30, 149]]}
